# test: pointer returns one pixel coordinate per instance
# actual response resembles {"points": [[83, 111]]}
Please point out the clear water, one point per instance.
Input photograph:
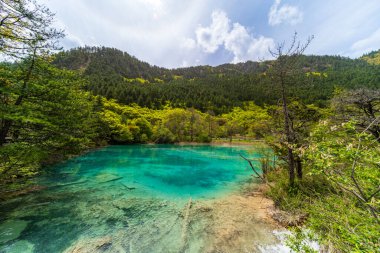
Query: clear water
{"points": [[135, 194]]}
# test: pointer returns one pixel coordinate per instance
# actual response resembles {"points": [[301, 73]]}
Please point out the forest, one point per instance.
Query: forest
{"points": [[319, 114]]}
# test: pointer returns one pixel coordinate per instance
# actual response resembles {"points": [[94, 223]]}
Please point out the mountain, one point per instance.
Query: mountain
{"points": [[92, 59], [116, 74]]}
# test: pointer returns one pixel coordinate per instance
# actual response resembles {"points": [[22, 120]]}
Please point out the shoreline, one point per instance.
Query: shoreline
{"points": [[221, 142]]}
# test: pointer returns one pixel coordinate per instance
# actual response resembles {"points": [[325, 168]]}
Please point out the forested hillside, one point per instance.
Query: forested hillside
{"points": [[115, 74]]}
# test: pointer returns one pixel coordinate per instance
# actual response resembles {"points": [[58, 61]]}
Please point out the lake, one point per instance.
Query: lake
{"points": [[137, 198]]}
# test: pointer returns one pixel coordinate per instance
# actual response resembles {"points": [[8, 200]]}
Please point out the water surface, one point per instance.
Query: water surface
{"points": [[135, 193]]}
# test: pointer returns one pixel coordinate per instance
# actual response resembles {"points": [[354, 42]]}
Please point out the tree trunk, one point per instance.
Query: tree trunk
{"points": [[4, 131], [299, 167], [291, 167], [289, 136]]}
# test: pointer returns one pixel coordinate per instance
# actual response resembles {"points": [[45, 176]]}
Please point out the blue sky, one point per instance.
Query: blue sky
{"points": [[172, 33]]}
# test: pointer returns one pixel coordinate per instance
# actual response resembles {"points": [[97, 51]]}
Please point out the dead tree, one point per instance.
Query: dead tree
{"points": [[282, 71]]}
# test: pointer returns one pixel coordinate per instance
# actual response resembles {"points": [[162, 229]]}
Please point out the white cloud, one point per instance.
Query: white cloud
{"points": [[188, 44], [185, 64], [156, 6], [368, 44], [234, 38], [211, 37], [259, 48], [155, 30], [238, 42], [284, 14], [151, 30]]}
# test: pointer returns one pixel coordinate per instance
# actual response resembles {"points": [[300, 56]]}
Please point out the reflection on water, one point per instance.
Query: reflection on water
{"points": [[128, 199]]}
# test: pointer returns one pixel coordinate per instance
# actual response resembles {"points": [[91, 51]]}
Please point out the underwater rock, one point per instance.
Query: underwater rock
{"points": [[19, 246], [90, 212], [94, 245], [117, 242], [11, 229]]}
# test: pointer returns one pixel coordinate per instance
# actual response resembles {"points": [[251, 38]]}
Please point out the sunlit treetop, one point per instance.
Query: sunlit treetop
{"points": [[26, 29]]}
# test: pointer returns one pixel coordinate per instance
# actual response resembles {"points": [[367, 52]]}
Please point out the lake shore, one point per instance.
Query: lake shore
{"points": [[224, 142], [244, 221]]}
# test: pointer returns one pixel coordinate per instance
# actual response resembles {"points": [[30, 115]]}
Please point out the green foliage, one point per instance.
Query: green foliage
{"points": [[348, 159], [249, 120], [46, 117], [302, 118], [26, 29], [340, 215], [134, 124], [299, 241], [162, 135], [334, 218], [372, 58], [220, 88], [20, 159], [124, 124]]}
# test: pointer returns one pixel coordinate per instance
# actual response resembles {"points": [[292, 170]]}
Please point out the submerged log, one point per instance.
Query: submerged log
{"points": [[127, 187], [107, 177], [185, 227], [69, 184]]}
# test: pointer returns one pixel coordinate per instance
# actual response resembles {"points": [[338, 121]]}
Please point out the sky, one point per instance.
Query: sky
{"points": [[172, 33]]}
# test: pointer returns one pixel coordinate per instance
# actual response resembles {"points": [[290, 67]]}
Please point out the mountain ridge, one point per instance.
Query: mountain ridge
{"points": [[116, 74]]}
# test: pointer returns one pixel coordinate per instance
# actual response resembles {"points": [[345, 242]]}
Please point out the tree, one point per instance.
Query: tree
{"points": [[362, 106], [26, 29], [25, 34], [283, 71], [302, 118], [54, 120]]}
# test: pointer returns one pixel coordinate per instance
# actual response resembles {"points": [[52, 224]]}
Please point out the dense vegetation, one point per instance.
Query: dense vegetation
{"points": [[339, 191], [320, 114], [114, 74]]}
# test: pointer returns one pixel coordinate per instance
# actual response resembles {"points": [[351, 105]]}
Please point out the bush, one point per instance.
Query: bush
{"points": [[162, 135], [203, 138]]}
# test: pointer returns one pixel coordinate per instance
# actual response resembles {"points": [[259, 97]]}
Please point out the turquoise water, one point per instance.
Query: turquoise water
{"points": [[136, 194]]}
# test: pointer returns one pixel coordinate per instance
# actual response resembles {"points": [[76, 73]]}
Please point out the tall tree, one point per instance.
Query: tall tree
{"points": [[25, 33], [55, 119], [26, 28], [283, 73]]}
